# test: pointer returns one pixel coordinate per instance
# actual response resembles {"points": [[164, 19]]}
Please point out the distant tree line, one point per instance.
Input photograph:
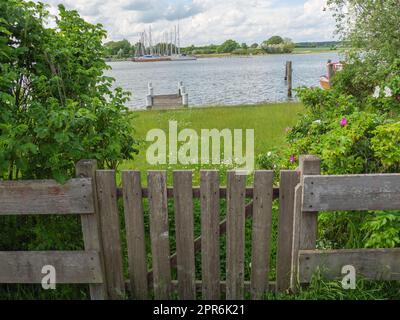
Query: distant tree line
{"points": [[273, 45]]}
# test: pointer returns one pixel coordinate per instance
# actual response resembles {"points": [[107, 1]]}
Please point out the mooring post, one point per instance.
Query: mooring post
{"points": [[185, 98], [180, 85], [286, 70], [289, 78], [150, 89], [149, 101]]}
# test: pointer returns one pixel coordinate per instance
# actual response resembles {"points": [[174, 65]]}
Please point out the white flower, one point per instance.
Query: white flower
{"points": [[388, 92], [317, 121], [269, 153], [377, 92]]}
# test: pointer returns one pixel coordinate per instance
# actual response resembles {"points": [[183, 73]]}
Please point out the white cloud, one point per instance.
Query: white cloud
{"points": [[209, 21]]}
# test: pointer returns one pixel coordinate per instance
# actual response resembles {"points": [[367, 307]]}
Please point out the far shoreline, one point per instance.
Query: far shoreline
{"points": [[229, 55]]}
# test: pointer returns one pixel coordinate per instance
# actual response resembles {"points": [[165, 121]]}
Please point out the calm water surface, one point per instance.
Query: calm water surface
{"points": [[221, 81]]}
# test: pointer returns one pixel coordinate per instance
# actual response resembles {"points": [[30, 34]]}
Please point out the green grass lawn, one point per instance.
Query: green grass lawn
{"points": [[269, 122]]}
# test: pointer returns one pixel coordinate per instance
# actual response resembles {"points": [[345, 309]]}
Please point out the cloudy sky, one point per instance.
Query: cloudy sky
{"points": [[209, 21]]}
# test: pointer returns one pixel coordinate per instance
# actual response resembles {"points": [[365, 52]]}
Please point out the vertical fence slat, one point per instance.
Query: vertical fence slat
{"points": [[183, 204], [296, 237], [91, 226], [210, 260], [288, 183], [262, 228], [110, 227], [236, 188], [135, 234], [159, 234], [309, 165]]}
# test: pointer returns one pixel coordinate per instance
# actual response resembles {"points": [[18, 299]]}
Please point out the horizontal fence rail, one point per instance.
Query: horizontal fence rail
{"points": [[372, 264], [352, 192], [70, 266], [46, 197]]}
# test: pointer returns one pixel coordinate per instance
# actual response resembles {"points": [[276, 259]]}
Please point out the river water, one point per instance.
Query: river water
{"points": [[221, 81]]}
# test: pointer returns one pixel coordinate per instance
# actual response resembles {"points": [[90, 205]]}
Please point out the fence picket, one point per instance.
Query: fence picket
{"points": [[288, 182], [135, 235], [110, 228], [159, 234], [183, 202], [261, 233], [236, 187], [210, 261]]}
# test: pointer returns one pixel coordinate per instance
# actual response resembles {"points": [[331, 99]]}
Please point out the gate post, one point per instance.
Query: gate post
{"points": [[91, 226], [309, 165]]}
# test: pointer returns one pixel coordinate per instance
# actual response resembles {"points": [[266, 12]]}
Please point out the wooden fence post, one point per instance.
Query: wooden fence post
{"points": [[309, 165], [288, 182], [91, 227], [110, 228]]}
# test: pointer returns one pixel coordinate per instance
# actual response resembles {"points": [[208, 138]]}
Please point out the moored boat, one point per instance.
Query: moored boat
{"points": [[326, 80]]}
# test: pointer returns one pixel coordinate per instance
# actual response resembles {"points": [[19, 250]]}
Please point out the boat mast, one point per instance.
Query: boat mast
{"points": [[179, 40]]}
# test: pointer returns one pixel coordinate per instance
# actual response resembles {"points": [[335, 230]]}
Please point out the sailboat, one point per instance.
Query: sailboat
{"points": [[168, 49], [179, 56]]}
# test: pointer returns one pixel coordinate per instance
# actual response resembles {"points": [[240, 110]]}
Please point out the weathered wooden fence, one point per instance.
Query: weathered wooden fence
{"points": [[94, 195], [342, 193]]}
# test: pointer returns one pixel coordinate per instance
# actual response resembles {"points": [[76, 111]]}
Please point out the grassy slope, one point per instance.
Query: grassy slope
{"points": [[268, 121]]}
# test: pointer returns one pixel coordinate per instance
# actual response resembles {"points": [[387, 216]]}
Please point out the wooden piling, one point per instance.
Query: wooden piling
{"points": [[289, 78]]}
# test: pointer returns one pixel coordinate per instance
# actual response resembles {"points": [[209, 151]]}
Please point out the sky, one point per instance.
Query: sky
{"points": [[208, 21]]}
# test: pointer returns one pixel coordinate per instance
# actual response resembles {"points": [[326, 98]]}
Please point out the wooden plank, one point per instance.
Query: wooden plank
{"points": [[71, 266], [261, 234], [159, 234], [352, 192], [110, 228], [288, 183], [196, 192], [309, 165], [372, 264], [183, 203], [210, 233], [91, 226], [235, 236], [135, 233], [46, 197], [298, 195]]}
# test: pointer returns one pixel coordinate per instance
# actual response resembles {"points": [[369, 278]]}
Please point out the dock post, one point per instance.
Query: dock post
{"points": [[180, 85], [286, 70], [149, 101], [289, 78], [185, 99], [150, 89]]}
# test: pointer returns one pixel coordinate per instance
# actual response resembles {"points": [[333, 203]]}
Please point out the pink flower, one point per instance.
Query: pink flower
{"points": [[344, 122], [292, 158]]}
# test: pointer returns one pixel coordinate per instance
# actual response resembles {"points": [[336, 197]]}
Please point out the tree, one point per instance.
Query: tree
{"points": [[274, 40], [254, 46], [244, 46], [228, 46], [56, 105], [118, 48]]}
